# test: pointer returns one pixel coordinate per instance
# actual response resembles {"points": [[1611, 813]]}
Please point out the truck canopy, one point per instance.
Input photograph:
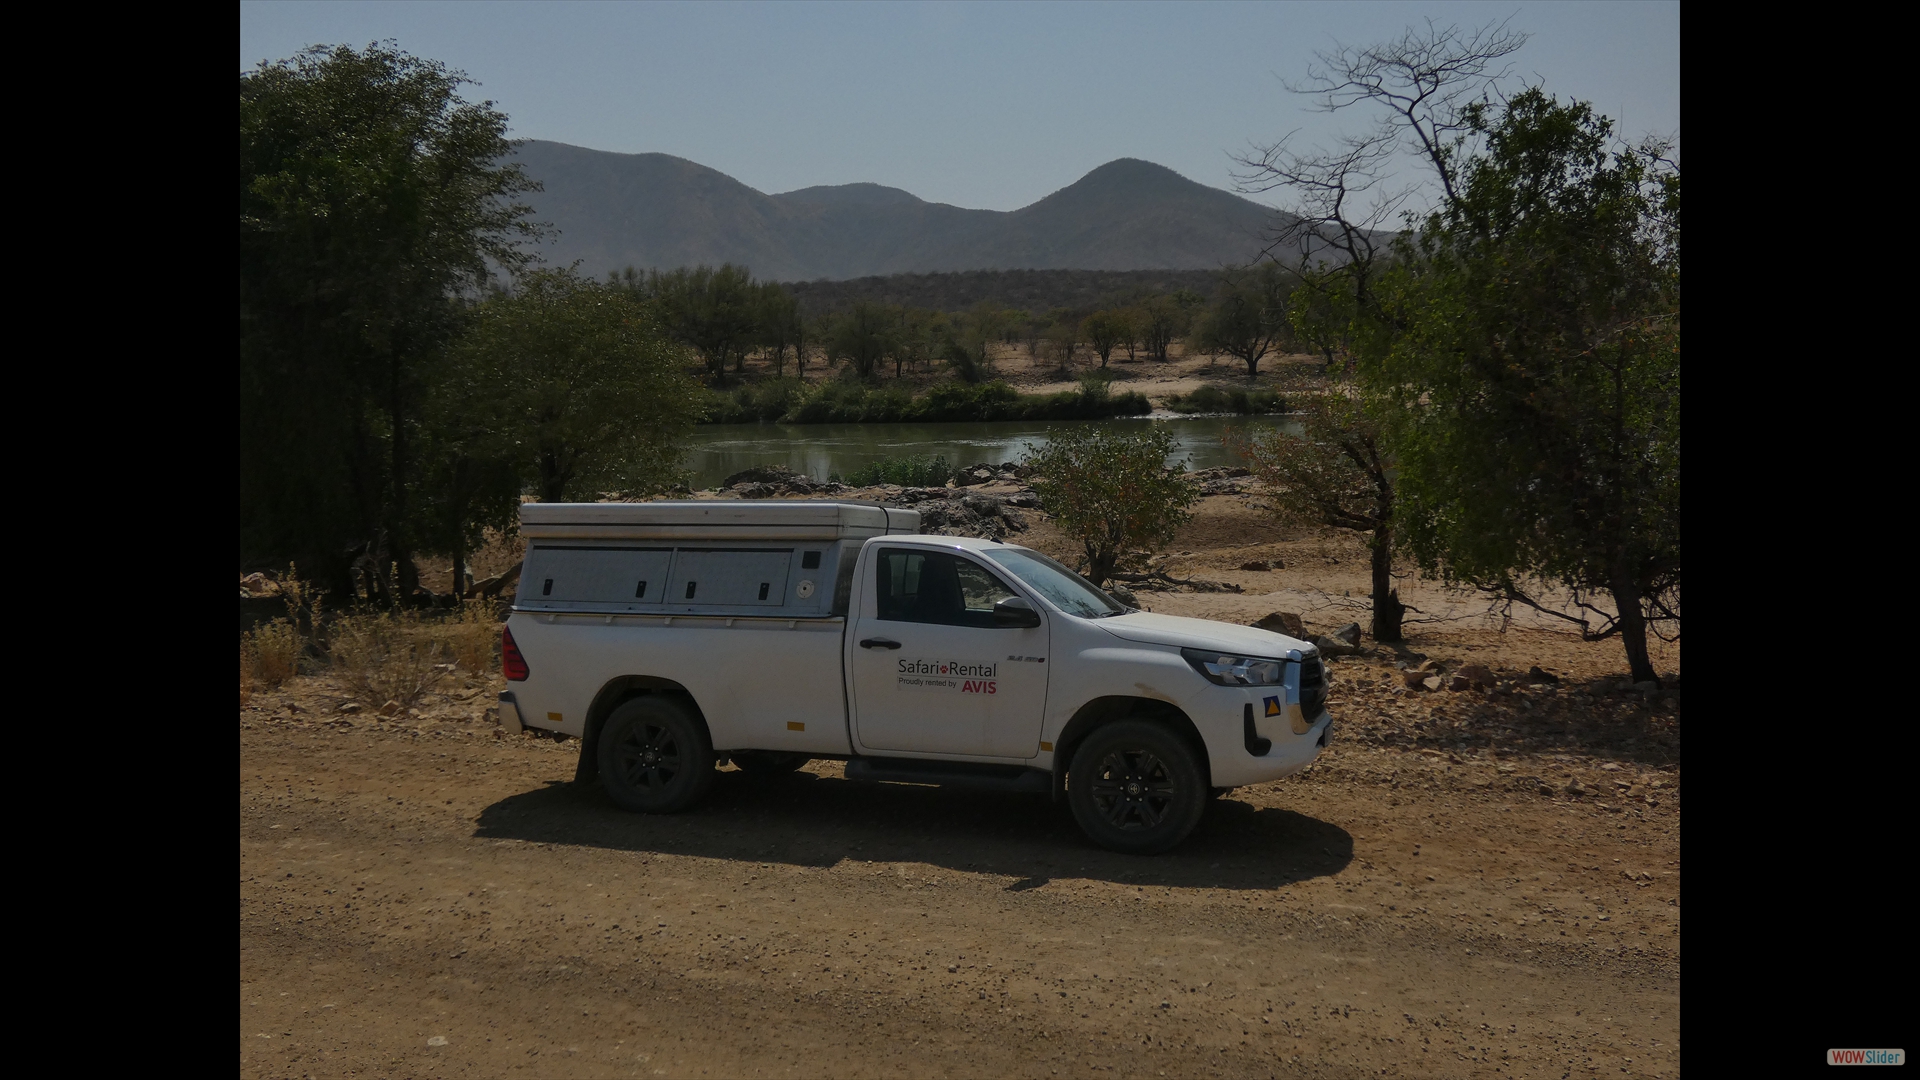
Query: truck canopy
{"points": [[765, 559]]}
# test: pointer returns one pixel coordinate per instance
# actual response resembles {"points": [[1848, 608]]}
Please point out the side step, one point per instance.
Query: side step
{"points": [[956, 774]]}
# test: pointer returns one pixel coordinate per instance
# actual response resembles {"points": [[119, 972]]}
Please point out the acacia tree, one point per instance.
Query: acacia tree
{"points": [[1104, 331], [1336, 472], [578, 384], [714, 312], [1250, 317], [1161, 321], [371, 197], [1532, 361], [1112, 491], [862, 337]]}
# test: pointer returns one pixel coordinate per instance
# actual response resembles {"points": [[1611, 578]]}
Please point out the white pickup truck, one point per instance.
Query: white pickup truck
{"points": [[672, 637]]}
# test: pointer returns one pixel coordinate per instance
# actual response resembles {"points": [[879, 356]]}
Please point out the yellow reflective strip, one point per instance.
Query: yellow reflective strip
{"points": [[795, 725], [1047, 746]]}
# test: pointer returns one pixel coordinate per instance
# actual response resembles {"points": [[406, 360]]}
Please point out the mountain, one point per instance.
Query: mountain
{"points": [[656, 210]]}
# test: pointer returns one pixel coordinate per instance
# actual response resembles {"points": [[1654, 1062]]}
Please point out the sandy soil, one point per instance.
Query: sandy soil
{"points": [[1465, 884]]}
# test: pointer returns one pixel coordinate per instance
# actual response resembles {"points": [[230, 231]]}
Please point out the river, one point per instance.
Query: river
{"points": [[716, 451]]}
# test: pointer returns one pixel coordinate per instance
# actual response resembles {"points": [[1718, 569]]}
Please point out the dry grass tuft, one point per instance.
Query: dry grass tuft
{"points": [[269, 656], [472, 637], [387, 657]]}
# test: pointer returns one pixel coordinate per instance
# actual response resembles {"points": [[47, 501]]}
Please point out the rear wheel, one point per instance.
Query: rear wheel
{"points": [[768, 764], [1136, 787], [655, 757]]}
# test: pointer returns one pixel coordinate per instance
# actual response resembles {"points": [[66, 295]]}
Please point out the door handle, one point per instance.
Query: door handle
{"points": [[879, 643]]}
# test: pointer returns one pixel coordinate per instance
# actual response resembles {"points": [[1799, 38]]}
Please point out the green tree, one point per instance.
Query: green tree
{"points": [[1250, 317], [371, 196], [1161, 322], [714, 312], [1532, 358], [862, 337], [1111, 491], [1338, 473], [578, 384], [1104, 330], [781, 325]]}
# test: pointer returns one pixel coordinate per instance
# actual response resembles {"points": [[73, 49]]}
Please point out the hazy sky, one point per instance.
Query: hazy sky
{"points": [[988, 105]]}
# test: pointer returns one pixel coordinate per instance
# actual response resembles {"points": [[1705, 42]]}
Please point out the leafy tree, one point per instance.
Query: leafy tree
{"points": [[781, 324], [1533, 361], [1161, 321], [1112, 491], [1063, 338], [862, 337], [1336, 473], [1250, 317], [714, 312], [1104, 330], [577, 384], [371, 196]]}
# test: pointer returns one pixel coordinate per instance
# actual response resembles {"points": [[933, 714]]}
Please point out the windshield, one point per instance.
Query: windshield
{"points": [[1062, 587]]}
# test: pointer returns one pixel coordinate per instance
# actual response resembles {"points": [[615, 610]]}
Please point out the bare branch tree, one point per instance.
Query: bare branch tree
{"points": [[1423, 83]]}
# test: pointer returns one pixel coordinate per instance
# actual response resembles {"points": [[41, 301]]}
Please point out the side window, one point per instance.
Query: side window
{"points": [[935, 587]]}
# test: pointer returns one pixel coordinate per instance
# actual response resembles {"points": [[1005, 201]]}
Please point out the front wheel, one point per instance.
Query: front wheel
{"points": [[1136, 787], [655, 757]]}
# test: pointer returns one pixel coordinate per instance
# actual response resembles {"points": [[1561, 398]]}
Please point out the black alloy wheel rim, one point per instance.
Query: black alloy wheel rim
{"points": [[1133, 789], [648, 757]]}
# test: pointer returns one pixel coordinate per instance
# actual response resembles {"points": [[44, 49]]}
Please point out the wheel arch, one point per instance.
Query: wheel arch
{"points": [[618, 692], [1105, 710]]}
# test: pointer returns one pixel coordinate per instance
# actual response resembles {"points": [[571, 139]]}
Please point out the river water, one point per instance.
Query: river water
{"points": [[716, 451]]}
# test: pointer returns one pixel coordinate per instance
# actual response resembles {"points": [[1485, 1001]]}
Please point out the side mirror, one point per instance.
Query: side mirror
{"points": [[1015, 612]]}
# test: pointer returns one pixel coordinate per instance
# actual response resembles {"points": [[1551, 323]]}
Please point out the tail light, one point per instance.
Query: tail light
{"points": [[512, 664]]}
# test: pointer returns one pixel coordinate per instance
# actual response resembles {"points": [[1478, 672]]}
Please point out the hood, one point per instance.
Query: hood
{"points": [[1183, 633]]}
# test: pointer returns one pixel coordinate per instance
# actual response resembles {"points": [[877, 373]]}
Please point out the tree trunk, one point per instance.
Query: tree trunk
{"points": [[1253, 367], [1633, 627], [1388, 612], [1100, 561], [459, 589]]}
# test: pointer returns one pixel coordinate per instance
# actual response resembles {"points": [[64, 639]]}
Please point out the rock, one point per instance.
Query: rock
{"points": [[1649, 687], [349, 707], [1333, 646], [1414, 680], [1459, 682], [390, 709], [1123, 595], [1349, 633], [769, 474], [1283, 622], [1478, 674], [1431, 667], [1257, 564], [1536, 675], [1431, 682], [257, 585]]}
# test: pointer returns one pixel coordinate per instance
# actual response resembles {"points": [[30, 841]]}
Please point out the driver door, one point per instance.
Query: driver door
{"points": [[931, 671]]}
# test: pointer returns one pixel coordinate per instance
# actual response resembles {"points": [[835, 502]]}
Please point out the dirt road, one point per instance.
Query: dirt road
{"points": [[422, 898]]}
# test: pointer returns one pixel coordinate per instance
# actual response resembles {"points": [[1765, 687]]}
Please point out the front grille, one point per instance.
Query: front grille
{"points": [[1313, 689]]}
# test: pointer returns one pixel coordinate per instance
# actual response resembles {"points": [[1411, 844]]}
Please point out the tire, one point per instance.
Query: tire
{"points": [[655, 757], [768, 764], [1136, 787]]}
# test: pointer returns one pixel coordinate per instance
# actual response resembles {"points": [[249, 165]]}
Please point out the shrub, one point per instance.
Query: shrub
{"points": [[269, 656], [387, 657], [907, 472], [1112, 491], [1213, 399]]}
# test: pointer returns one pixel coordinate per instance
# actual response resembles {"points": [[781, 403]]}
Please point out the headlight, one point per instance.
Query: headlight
{"points": [[1227, 670]]}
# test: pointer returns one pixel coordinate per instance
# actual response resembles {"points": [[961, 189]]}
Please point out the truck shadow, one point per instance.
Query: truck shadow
{"points": [[810, 820]]}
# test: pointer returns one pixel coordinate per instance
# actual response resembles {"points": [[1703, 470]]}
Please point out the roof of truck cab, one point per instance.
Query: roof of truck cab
{"points": [[705, 519]]}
